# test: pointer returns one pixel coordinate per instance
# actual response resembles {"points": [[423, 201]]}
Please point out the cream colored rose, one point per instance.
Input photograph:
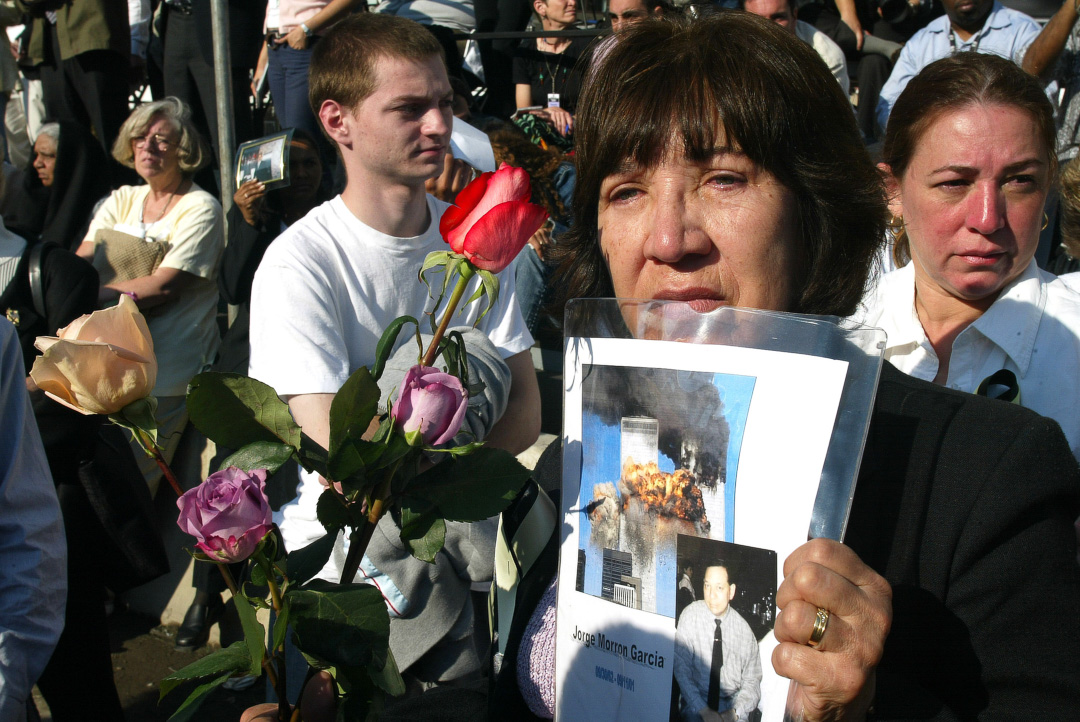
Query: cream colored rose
{"points": [[99, 363]]}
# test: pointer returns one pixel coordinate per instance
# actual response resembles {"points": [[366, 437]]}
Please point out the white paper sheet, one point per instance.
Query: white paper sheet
{"points": [[472, 146], [614, 659]]}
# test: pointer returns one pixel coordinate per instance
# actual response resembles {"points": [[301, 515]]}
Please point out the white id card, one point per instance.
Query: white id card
{"points": [[553, 100]]}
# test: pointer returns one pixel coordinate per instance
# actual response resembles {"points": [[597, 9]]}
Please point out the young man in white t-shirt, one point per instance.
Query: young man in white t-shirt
{"points": [[330, 284]]}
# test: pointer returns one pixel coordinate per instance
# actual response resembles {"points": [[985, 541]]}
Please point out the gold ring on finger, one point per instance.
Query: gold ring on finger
{"points": [[821, 623]]}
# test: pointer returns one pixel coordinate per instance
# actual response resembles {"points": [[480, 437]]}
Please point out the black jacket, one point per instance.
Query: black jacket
{"points": [[966, 506]]}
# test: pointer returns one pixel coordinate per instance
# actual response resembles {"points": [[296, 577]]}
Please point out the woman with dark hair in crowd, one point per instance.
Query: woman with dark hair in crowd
{"points": [[54, 199], [969, 159], [719, 163], [256, 218]]}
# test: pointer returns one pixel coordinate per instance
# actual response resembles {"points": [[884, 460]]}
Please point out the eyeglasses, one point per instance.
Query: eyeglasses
{"points": [[159, 142]]}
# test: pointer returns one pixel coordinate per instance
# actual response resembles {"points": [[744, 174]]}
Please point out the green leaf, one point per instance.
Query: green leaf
{"points": [[491, 288], [138, 415], [353, 407], [332, 511], [360, 706], [235, 410], [312, 455], [397, 447], [198, 555], [233, 659], [257, 575], [269, 455], [477, 294], [435, 259], [452, 347], [191, 705], [358, 458], [453, 263], [362, 700], [472, 487], [388, 678], [464, 450], [302, 564], [254, 634], [421, 529], [383, 433], [341, 624], [281, 626], [387, 342]]}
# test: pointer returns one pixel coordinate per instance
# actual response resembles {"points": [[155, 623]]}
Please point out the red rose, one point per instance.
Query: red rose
{"points": [[493, 218]]}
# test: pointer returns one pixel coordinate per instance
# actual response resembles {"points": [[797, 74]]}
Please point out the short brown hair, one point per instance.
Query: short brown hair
{"points": [[191, 150], [770, 95], [343, 62], [950, 84]]}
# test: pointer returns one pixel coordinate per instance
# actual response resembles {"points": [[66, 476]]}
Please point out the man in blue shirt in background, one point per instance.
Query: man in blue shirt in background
{"points": [[980, 26]]}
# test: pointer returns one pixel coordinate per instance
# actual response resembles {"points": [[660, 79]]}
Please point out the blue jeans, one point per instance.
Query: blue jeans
{"points": [[533, 291], [287, 73]]}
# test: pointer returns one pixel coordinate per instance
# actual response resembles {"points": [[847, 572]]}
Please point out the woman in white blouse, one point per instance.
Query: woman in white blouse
{"points": [[969, 159], [179, 296]]}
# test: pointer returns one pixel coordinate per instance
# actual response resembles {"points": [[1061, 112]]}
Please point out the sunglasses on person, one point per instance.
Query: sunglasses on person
{"points": [[156, 140]]}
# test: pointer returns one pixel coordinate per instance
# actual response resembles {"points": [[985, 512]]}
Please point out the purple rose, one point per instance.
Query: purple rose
{"points": [[432, 402], [228, 513]]}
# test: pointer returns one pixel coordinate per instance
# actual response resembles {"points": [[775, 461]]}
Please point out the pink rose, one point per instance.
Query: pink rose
{"points": [[228, 513], [432, 402], [98, 363], [493, 218]]}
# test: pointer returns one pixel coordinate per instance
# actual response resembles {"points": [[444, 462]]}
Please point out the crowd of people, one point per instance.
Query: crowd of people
{"points": [[910, 165]]}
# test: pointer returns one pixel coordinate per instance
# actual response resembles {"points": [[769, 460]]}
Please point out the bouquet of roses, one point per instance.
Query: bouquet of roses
{"points": [[345, 626]]}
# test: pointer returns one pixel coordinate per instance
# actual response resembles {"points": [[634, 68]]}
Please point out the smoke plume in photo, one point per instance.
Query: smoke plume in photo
{"points": [[686, 405]]}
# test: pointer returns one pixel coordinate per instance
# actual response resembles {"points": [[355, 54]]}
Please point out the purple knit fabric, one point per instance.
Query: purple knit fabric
{"points": [[536, 658]]}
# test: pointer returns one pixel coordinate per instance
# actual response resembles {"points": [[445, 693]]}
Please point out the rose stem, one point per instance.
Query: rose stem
{"points": [[151, 449], [277, 681], [464, 275], [358, 542], [311, 672], [360, 538], [229, 581]]}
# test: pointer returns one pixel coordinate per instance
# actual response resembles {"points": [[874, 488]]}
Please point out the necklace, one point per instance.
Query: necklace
{"points": [[553, 74], [172, 194]]}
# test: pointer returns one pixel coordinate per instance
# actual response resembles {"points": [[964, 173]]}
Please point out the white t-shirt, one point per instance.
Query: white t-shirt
{"points": [[324, 292], [184, 330], [1032, 329]]}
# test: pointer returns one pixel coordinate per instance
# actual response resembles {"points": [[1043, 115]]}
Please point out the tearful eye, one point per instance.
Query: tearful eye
{"points": [[954, 183], [727, 180], [622, 195], [1024, 180]]}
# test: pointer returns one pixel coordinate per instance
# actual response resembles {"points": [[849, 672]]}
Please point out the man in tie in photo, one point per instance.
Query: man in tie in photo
{"points": [[717, 662]]}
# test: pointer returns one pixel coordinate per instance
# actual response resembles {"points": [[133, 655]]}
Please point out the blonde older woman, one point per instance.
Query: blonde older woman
{"points": [[178, 295]]}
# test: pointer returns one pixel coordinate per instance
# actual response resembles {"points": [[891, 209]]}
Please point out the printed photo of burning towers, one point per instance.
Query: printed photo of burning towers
{"points": [[660, 458]]}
